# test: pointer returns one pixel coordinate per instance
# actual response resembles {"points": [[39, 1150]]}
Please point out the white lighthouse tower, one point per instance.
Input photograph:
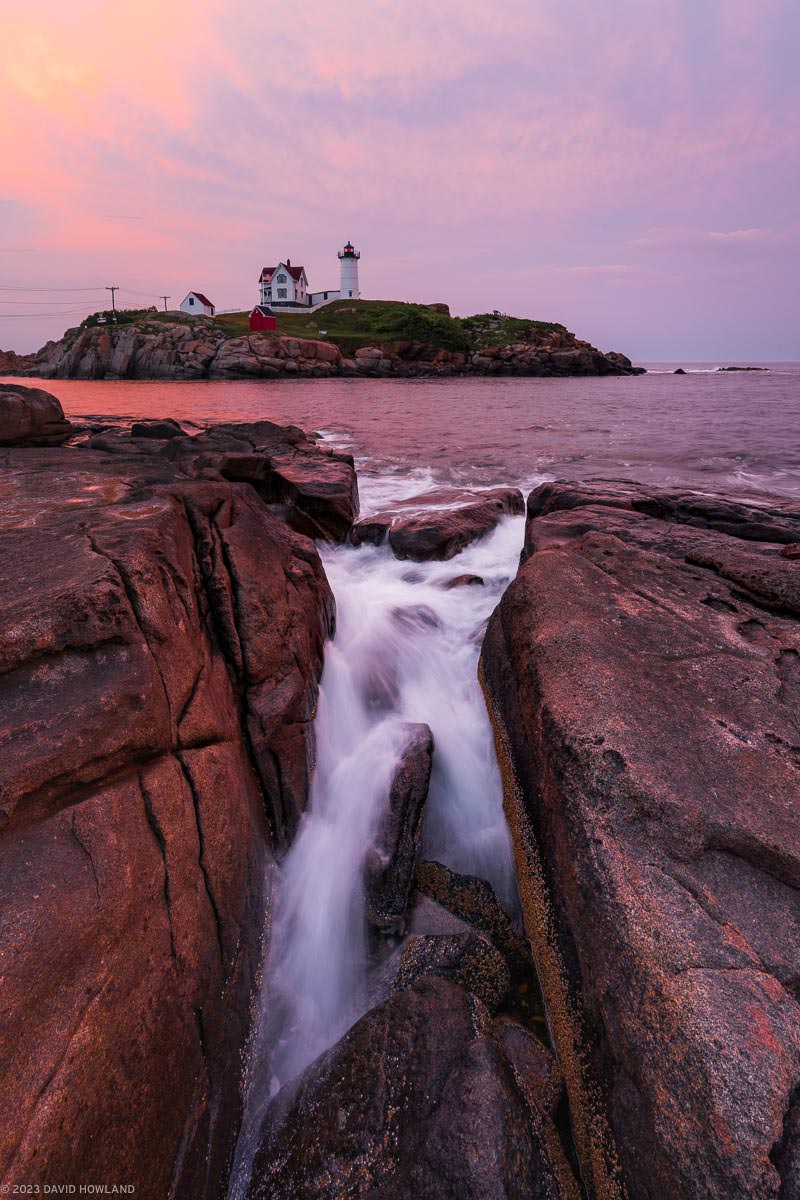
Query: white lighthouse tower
{"points": [[348, 286]]}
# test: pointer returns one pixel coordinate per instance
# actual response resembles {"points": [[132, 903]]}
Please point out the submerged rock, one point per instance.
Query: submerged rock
{"points": [[459, 581], [31, 417], [642, 675], [417, 1099], [389, 864], [164, 429]]}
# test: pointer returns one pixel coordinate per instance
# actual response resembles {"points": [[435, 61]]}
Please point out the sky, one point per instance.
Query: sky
{"points": [[630, 168]]}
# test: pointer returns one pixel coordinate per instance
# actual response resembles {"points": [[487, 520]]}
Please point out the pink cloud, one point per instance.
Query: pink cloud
{"points": [[537, 154]]}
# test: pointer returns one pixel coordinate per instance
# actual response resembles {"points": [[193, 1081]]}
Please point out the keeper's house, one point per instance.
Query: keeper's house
{"points": [[284, 286]]}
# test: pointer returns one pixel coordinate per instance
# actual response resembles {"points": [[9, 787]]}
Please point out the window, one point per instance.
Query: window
{"points": [[281, 279], [281, 293], [191, 299]]}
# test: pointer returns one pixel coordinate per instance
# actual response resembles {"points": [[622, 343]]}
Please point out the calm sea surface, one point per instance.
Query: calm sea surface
{"points": [[729, 431]]}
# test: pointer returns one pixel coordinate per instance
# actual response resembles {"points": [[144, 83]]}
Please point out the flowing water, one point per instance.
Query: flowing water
{"points": [[406, 648]]}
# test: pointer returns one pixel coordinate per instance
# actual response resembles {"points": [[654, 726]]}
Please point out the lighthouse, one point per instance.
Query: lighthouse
{"points": [[348, 286]]}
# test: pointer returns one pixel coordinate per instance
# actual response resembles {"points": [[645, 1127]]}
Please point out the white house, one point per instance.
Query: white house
{"points": [[287, 286], [284, 285], [197, 305]]}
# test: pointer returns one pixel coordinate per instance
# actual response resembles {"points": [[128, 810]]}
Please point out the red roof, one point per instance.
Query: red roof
{"points": [[295, 272], [203, 299]]}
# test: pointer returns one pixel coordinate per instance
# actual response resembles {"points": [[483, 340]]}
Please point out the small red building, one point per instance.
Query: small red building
{"points": [[261, 318]]}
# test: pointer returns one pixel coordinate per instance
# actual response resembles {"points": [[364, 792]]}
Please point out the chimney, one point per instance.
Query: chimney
{"points": [[288, 262]]}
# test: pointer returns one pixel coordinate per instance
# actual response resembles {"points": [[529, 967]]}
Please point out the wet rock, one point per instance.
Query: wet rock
{"points": [[679, 371], [468, 959], [427, 916], [416, 617], [317, 487], [536, 1070], [642, 676], [417, 1099], [389, 864], [771, 521], [459, 581], [31, 417], [160, 648], [157, 429], [473, 900], [440, 534], [372, 533]]}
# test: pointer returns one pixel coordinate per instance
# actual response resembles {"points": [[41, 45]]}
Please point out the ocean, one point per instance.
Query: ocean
{"points": [[736, 432]]}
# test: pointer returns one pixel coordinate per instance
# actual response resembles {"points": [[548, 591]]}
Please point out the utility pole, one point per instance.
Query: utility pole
{"points": [[113, 301], [165, 299]]}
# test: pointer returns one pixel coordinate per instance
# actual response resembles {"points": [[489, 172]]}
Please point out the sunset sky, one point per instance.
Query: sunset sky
{"points": [[628, 167]]}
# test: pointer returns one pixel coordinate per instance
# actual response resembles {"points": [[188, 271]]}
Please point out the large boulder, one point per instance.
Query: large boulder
{"points": [[389, 865], [417, 1099], [317, 488], [31, 417], [642, 675], [441, 532], [160, 648]]}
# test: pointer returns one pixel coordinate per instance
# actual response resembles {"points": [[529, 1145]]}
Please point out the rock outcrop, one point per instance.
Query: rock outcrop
{"points": [[439, 524], [160, 649], [202, 349], [390, 861], [31, 417], [468, 959], [311, 488], [418, 1098], [642, 673]]}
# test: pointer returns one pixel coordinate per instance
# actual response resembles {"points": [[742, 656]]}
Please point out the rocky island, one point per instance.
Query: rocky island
{"points": [[165, 614], [345, 338]]}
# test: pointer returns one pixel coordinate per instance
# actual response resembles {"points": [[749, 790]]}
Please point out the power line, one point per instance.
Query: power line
{"points": [[4, 287], [72, 312], [33, 302]]}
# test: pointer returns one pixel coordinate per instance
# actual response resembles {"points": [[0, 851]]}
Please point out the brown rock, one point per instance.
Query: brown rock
{"points": [[642, 674], [463, 581], [468, 959], [535, 1068], [440, 534], [372, 533], [159, 654], [31, 417], [417, 1099], [157, 429], [389, 865]]}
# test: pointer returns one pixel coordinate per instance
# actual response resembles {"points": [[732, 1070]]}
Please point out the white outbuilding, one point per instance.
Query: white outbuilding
{"points": [[197, 305]]}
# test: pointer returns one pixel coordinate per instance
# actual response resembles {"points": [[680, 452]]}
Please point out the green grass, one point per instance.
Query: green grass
{"points": [[351, 324]]}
